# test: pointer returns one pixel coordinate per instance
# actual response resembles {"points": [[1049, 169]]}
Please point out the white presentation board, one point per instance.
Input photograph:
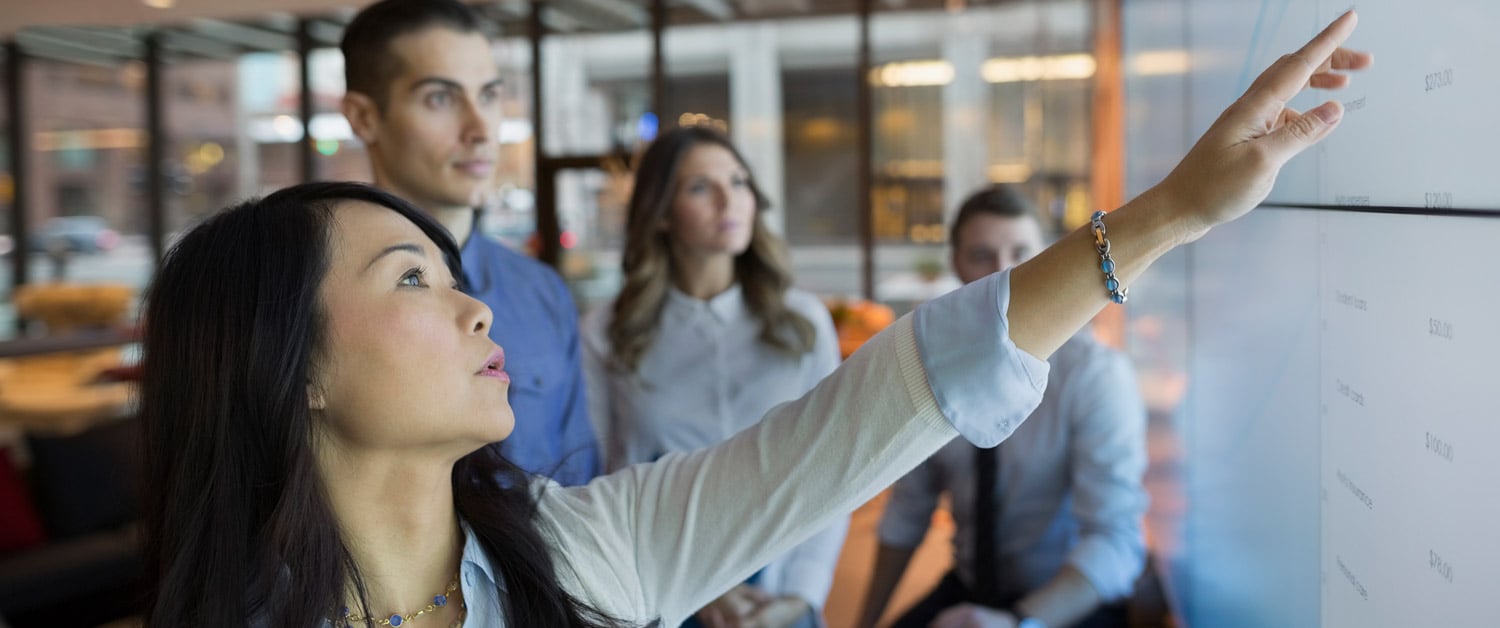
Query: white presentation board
{"points": [[1337, 428]]}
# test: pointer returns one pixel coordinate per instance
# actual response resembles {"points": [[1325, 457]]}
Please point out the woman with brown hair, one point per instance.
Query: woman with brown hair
{"points": [[706, 335]]}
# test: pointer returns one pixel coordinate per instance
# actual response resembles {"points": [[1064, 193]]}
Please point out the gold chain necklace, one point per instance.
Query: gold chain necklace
{"points": [[440, 600]]}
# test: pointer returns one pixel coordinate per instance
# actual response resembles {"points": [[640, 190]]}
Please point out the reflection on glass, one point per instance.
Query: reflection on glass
{"points": [[596, 87], [962, 99], [8, 244], [597, 91], [510, 214], [86, 185], [204, 158], [269, 99], [338, 154]]}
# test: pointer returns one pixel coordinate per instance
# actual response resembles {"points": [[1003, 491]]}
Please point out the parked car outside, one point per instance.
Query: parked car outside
{"points": [[75, 234]]}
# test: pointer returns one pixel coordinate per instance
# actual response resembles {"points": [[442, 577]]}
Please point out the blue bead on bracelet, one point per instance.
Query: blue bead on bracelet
{"points": [[1106, 263]]}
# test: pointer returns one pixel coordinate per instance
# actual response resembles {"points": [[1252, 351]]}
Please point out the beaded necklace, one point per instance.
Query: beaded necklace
{"points": [[397, 619]]}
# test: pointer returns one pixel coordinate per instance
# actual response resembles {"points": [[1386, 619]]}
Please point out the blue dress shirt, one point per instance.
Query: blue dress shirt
{"points": [[1069, 489], [537, 325]]}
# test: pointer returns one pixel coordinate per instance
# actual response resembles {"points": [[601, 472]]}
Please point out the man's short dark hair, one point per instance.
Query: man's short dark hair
{"points": [[369, 65], [999, 199]]}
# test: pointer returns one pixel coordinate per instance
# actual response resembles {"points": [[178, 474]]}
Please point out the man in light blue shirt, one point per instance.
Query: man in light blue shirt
{"points": [[424, 98], [1061, 542]]}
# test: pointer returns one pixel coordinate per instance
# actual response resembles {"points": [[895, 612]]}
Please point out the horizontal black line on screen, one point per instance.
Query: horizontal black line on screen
{"points": [[1389, 209]]}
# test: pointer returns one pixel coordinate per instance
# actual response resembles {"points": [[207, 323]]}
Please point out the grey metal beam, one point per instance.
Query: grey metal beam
{"points": [[623, 11], [191, 43], [247, 36], [325, 33], [658, 59], [512, 8], [556, 20], [307, 158], [156, 150], [717, 9], [36, 40], [279, 22], [70, 55], [606, 14], [866, 149], [125, 40], [548, 227], [20, 161]]}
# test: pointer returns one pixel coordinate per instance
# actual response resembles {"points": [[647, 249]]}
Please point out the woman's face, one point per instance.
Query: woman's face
{"points": [[407, 363], [713, 210]]}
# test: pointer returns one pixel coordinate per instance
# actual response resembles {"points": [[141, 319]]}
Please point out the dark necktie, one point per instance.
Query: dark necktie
{"points": [[986, 468]]}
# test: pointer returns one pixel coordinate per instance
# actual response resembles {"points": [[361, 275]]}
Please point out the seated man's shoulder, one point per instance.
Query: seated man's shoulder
{"points": [[1084, 352]]}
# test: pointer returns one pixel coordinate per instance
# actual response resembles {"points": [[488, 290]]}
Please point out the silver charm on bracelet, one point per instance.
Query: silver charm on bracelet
{"points": [[1106, 263]]}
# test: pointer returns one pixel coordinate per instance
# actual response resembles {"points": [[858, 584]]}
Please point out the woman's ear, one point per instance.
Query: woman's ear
{"points": [[315, 400]]}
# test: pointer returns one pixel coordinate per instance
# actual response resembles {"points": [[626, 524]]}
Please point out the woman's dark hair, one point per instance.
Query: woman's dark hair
{"points": [[762, 270], [238, 523]]}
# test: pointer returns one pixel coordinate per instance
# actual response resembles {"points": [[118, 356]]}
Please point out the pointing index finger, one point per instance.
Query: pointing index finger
{"points": [[1284, 79]]}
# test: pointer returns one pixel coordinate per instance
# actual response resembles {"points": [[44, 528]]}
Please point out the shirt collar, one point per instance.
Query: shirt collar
{"points": [[475, 253], [726, 307], [476, 558]]}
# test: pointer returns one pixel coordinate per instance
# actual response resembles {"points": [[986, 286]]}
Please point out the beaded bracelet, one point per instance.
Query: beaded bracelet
{"points": [[1106, 263]]}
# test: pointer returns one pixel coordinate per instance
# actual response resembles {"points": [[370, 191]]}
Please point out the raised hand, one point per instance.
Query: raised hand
{"points": [[1234, 165]]}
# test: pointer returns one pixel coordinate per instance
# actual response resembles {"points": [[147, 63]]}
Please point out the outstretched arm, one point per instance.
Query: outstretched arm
{"points": [[660, 540], [1226, 174]]}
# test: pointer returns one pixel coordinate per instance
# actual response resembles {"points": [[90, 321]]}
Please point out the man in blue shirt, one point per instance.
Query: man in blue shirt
{"points": [[423, 95], [1048, 524]]}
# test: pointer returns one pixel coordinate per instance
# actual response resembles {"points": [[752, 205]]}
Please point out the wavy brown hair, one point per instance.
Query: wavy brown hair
{"points": [[762, 270]]}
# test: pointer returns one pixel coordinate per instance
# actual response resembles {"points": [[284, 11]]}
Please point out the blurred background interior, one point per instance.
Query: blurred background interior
{"points": [[123, 122]]}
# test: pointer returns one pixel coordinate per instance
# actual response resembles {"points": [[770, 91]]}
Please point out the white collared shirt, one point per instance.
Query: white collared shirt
{"points": [[707, 376], [655, 542], [1069, 483]]}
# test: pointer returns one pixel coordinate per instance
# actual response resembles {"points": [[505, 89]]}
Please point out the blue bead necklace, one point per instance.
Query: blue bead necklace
{"points": [[396, 619]]}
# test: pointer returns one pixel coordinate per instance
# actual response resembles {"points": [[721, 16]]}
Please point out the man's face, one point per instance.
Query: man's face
{"points": [[988, 244], [435, 141]]}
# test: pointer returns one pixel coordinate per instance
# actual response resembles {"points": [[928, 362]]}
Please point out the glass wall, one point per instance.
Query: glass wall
{"points": [[820, 129], [965, 98], [206, 153], [269, 101], [87, 181], [9, 245], [511, 213], [338, 155], [962, 96], [597, 93]]}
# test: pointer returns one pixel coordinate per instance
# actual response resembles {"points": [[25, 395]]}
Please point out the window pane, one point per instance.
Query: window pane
{"points": [[339, 156], [87, 186], [10, 244], [207, 155], [962, 100], [269, 100], [597, 94], [818, 87], [511, 214]]}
